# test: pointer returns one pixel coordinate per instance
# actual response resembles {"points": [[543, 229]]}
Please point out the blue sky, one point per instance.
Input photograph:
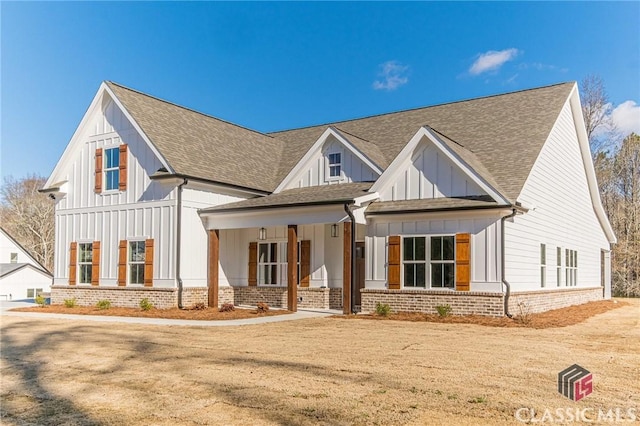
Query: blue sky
{"points": [[272, 66]]}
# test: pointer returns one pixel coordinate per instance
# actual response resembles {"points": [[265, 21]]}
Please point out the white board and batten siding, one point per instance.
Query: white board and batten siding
{"points": [[326, 254], [145, 210], [485, 244], [315, 172], [563, 215], [429, 174]]}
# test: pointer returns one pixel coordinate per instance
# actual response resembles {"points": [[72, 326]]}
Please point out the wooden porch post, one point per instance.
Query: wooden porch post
{"points": [[214, 262], [346, 269], [292, 268]]}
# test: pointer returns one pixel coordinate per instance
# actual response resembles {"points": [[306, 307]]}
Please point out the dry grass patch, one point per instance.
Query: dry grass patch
{"points": [[556, 318], [171, 313]]}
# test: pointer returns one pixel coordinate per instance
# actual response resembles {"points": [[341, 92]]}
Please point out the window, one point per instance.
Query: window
{"points": [[559, 266], [136, 262], [85, 256], [571, 267], [112, 168], [543, 265], [335, 164], [33, 292], [439, 267], [268, 263], [14, 257]]}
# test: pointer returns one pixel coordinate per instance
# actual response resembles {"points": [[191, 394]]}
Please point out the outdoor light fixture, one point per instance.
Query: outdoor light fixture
{"points": [[334, 230], [262, 235]]}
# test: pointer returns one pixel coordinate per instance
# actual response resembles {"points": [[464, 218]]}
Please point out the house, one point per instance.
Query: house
{"points": [[21, 275], [485, 205]]}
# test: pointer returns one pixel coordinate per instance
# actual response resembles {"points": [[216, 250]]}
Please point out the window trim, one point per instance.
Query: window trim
{"points": [[86, 263], [543, 265], [115, 169], [129, 262], [571, 267], [428, 262], [330, 165]]}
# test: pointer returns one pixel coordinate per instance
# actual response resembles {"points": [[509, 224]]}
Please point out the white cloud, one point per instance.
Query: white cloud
{"points": [[393, 75], [492, 60], [626, 117]]}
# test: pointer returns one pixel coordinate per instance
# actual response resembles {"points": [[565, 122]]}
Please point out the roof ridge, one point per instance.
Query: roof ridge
{"points": [[189, 109], [335, 123]]}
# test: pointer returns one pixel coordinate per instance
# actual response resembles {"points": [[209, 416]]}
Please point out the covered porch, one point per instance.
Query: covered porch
{"points": [[299, 248]]}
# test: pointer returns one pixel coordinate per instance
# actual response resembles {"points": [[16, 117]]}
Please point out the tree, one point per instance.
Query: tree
{"points": [[28, 216], [596, 110]]}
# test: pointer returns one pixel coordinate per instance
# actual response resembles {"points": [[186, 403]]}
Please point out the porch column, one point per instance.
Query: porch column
{"points": [[346, 269], [292, 268], [214, 262]]}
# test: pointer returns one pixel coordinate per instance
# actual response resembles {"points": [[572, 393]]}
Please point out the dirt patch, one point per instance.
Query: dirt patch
{"points": [[556, 318], [172, 313]]}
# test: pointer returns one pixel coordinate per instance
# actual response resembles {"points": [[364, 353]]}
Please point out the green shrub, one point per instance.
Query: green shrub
{"points": [[41, 300], [103, 304], [443, 310], [146, 305], [70, 303], [383, 309]]}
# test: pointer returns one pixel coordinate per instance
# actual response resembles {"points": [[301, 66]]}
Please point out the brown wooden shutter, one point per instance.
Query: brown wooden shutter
{"points": [[73, 261], [98, 185], [393, 263], [123, 168], [305, 262], [122, 263], [253, 264], [463, 262], [95, 263], [148, 263]]}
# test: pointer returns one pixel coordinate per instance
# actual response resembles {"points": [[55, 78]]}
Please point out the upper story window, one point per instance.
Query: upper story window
{"points": [[112, 169], [85, 257], [14, 257], [438, 269], [335, 165]]}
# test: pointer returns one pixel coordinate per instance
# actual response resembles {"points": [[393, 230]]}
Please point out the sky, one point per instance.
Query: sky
{"points": [[273, 66]]}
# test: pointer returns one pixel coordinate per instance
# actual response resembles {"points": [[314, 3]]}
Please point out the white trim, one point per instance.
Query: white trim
{"points": [[399, 164], [316, 147], [428, 261]]}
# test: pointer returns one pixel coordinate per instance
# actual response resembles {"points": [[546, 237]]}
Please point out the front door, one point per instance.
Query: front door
{"points": [[359, 273]]}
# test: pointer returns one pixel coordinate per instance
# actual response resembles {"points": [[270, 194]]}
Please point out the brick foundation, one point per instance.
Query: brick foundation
{"points": [[462, 303], [546, 300], [193, 295], [126, 297]]}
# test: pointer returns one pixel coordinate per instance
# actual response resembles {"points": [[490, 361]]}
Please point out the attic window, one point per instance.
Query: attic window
{"points": [[335, 164], [14, 257], [112, 168]]}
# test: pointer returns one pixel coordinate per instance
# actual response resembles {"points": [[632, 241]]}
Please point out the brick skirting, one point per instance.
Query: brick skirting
{"points": [[312, 297], [125, 297], [546, 300]]}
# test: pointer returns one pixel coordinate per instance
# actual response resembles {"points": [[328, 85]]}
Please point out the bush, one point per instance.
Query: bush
{"points": [[70, 303], [146, 305], [383, 309], [198, 307], [41, 301], [227, 307], [443, 310], [524, 313], [263, 307], [103, 304]]}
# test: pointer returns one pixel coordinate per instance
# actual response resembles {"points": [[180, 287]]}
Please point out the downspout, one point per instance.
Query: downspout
{"points": [[502, 256], [178, 242], [347, 209]]}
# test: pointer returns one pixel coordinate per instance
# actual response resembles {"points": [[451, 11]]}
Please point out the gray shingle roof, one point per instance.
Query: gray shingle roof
{"points": [[432, 204], [7, 268], [325, 194], [499, 136]]}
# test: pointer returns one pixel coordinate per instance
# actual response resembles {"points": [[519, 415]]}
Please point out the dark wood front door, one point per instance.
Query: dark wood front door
{"points": [[359, 272]]}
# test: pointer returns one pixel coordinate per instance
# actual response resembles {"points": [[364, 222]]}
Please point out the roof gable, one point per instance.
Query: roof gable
{"points": [[9, 241]]}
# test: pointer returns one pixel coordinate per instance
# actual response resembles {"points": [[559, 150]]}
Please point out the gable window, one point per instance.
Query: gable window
{"points": [[137, 257], [85, 257], [543, 265], [571, 267], [335, 164], [112, 168], [438, 268], [559, 266], [14, 257], [268, 263]]}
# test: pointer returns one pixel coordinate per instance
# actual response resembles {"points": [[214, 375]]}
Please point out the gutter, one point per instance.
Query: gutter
{"points": [[502, 256], [347, 209], [179, 242]]}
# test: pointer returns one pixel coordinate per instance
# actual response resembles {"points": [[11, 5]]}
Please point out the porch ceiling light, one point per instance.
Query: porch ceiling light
{"points": [[262, 235], [335, 230]]}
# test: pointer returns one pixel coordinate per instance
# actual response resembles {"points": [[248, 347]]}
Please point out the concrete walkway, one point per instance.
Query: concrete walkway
{"points": [[301, 314]]}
